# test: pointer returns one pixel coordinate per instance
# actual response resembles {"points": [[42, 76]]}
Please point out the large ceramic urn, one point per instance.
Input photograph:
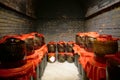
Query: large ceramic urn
{"points": [[12, 50], [105, 45]]}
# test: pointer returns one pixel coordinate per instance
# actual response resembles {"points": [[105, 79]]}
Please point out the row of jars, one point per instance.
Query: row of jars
{"points": [[64, 49], [60, 46], [100, 44], [14, 48], [86, 39]]}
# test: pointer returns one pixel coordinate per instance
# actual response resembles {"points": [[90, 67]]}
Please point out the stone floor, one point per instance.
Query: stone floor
{"points": [[61, 71]]}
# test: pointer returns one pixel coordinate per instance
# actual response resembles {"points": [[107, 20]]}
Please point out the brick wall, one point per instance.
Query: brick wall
{"points": [[22, 6], [47, 9], [14, 23], [105, 23], [94, 6], [59, 20], [56, 30]]}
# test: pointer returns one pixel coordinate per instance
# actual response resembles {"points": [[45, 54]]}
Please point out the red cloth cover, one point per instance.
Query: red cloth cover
{"points": [[62, 53], [93, 69], [24, 72], [20, 73]]}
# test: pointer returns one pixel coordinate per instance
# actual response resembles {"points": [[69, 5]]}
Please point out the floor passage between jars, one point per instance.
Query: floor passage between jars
{"points": [[61, 71]]}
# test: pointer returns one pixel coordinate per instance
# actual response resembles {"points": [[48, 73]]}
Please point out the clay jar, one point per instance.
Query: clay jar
{"points": [[105, 45], [61, 46], [69, 46], [51, 47], [12, 50]]}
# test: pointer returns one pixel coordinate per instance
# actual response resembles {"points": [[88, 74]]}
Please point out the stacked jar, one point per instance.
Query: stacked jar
{"points": [[61, 47], [70, 51], [13, 52], [81, 39], [90, 38], [51, 56], [104, 45]]}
